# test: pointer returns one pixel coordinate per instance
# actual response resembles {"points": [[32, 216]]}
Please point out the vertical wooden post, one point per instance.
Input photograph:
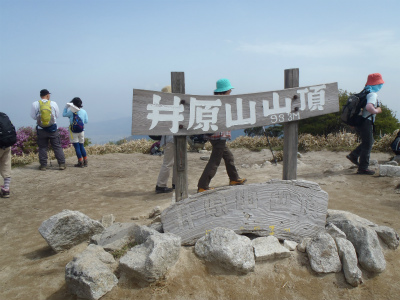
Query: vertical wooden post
{"points": [[180, 158], [291, 129]]}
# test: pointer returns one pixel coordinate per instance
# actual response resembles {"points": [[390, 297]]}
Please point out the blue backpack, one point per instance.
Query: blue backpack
{"points": [[77, 124]]}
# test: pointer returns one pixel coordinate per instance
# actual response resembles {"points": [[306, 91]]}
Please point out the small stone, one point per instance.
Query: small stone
{"points": [[303, 245], [266, 248], [107, 220], [291, 245], [245, 166], [155, 212], [373, 162], [205, 157], [255, 166]]}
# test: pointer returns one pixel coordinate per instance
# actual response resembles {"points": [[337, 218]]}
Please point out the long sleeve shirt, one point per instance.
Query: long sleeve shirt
{"points": [[81, 113]]}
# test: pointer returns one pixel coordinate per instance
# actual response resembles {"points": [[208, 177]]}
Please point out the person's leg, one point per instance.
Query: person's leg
{"points": [[5, 171], [367, 140], [43, 144], [167, 165], [230, 165], [78, 151], [211, 168], [55, 142]]}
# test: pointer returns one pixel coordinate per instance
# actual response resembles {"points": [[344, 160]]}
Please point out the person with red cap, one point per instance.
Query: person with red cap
{"points": [[360, 155]]}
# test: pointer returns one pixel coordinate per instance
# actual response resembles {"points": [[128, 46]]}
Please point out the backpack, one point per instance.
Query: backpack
{"points": [[155, 137], [198, 139], [352, 111], [8, 136], [395, 145], [46, 117], [77, 124]]}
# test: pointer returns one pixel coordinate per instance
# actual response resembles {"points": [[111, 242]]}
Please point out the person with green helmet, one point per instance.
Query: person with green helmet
{"points": [[220, 150]]}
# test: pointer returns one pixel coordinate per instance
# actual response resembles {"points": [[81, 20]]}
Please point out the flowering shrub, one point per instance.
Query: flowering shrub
{"points": [[27, 140]]}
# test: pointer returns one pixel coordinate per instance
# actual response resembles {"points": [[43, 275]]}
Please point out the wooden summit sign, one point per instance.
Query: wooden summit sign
{"points": [[160, 113], [287, 209]]}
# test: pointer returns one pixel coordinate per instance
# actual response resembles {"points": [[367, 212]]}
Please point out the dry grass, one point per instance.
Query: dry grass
{"points": [[342, 141]]}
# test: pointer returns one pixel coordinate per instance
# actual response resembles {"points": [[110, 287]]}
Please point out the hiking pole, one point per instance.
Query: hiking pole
{"points": [[270, 146]]}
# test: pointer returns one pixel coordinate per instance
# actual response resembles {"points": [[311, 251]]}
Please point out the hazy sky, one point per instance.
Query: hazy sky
{"points": [[101, 50]]}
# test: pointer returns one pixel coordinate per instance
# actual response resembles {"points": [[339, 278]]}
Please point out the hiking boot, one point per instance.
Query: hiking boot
{"points": [[42, 168], [353, 159], [163, 189], [62, 166], [4, 193], [240, 181], [365, 172], [79, 164], [200, 190], [85, 162]]}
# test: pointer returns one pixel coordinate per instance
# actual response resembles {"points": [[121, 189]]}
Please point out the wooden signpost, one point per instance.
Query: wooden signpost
{"points": [[180, 114]]}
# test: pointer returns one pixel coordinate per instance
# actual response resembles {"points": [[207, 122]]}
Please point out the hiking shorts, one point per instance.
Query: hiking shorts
{"points": [[77, 137]]}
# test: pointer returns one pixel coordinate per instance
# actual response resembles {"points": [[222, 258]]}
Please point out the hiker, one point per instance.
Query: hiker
{"points": [[77, 118], [167, 143], [8, 137], [46, 112], [360, 155], [220, 150]]}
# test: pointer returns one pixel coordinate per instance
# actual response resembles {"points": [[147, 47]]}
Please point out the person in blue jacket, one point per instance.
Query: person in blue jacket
{"points": [[77, 138]]}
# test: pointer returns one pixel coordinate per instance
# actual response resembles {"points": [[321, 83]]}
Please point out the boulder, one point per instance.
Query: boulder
{"points": [[348, 256], [323, 255], [157, 226], [90, 274], [268, 248], [388, 236], [68, 228], [224, 248], [116, 236], [391, 171], [151, 260], [361, 233]]}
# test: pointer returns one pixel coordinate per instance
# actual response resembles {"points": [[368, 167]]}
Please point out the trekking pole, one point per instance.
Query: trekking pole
{"points": [[270, 146]]}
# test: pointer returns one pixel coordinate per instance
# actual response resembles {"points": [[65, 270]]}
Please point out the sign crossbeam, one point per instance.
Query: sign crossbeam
{"points": [[182, 114]]}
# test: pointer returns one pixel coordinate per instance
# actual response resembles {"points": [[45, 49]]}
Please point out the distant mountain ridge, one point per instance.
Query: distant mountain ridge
{"points": [[115, 130]]}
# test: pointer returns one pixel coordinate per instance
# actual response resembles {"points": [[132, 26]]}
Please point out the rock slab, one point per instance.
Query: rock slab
{"points": [[268, 248], [348, 256], [287, 209], [90, 274], [224, 248], [116, 236], [68, 228], [391, 171]]}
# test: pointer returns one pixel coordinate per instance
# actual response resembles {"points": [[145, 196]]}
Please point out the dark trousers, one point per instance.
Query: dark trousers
{"points": [[219, 151], [363, 151], [43, 138]]}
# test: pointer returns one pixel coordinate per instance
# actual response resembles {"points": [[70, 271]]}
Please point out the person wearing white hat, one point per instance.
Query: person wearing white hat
{"points": [[167, 143]]}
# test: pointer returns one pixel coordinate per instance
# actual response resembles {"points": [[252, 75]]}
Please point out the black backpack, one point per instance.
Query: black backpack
{"points": [[8, 136], [352, 111], [395, 145]]}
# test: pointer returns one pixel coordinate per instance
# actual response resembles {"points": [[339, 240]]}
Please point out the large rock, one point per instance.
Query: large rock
{"points": [[323, 255], [116, 236], [287, 209], [68, 228], [348, 256], [90, 274], [267, 248], [391, 171], [151, 260], [223, 247], [142, 233], [334, 231], [361, 233]]}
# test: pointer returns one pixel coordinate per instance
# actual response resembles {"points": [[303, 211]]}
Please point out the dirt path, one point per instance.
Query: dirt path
{"points": [[123, 184]]}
